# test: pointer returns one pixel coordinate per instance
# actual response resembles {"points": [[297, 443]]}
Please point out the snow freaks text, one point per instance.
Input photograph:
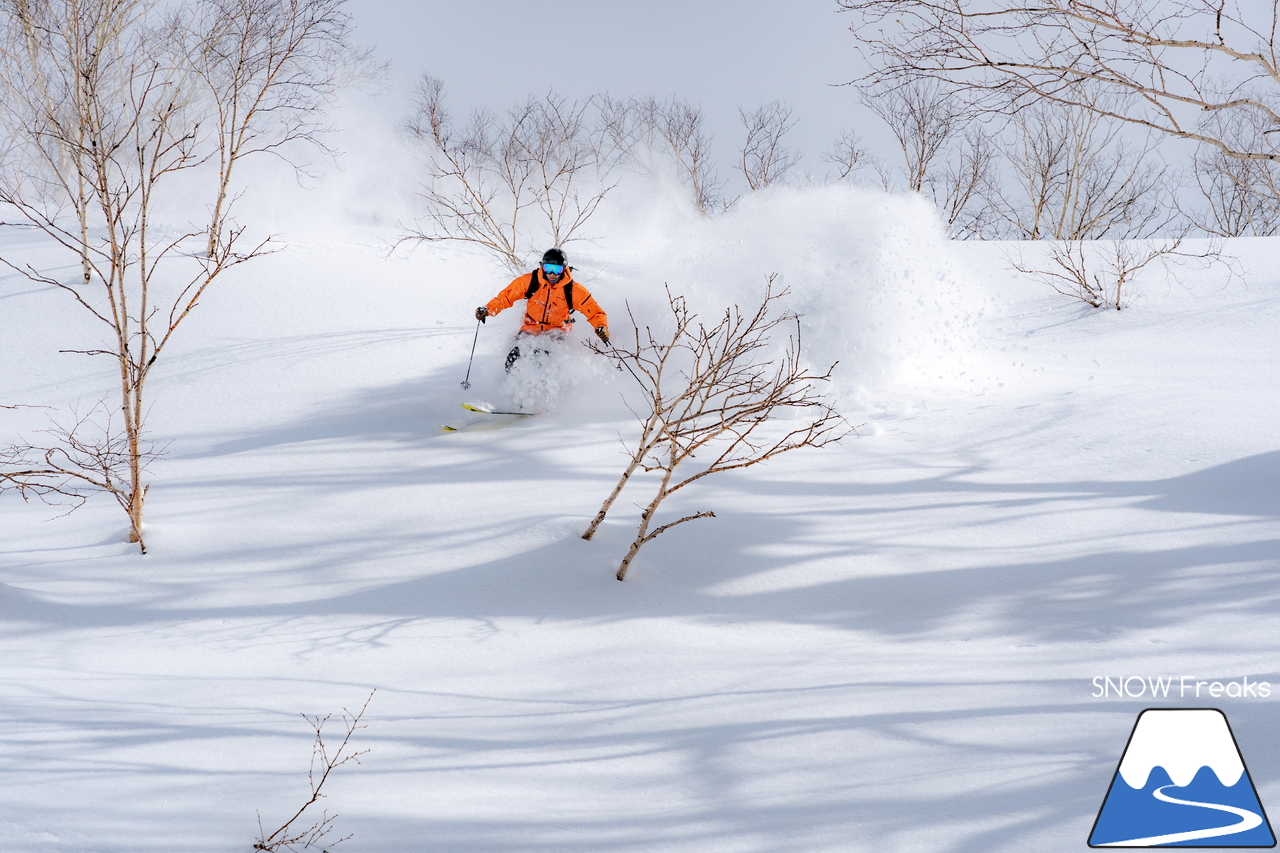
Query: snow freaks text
{"points": [[1177, 687]]}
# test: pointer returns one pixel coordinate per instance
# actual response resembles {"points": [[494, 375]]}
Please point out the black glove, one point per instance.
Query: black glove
{"points": [[603, 332], [481, 313]]}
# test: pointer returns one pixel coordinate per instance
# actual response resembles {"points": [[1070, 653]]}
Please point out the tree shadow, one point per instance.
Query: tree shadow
{"points": [[979, 793], [412, 411], [940, 790], [1243, 487], [1090, 596]]}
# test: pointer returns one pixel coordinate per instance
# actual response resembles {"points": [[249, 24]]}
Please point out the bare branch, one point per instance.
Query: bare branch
{"points": [[1168, 66], [270, 68], [91, 453], [1101, 273], [1241, 196], [289, 837], [765, 159], [717, 387], [923, 117], [847, 155], [930, 124], [1072, 176]]}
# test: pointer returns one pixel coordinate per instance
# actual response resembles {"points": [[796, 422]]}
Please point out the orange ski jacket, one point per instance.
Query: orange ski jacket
{"points": [[546, 309]]}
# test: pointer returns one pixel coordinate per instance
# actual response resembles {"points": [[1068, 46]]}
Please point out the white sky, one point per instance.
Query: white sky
{"points": [[720, 53]]}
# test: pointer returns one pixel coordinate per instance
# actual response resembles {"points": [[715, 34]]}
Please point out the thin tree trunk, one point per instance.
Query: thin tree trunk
{"points": [[137, 496], [644, 445], [137, 491], [215, 226], [604, 508], [645, 518], [640, 538], [83, 211]]}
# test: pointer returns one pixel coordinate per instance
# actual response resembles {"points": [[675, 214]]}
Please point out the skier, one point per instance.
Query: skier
{"points": [[551, 296]]}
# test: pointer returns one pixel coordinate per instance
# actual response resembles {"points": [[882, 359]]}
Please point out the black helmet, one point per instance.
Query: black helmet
{"points": [[553, 256]]}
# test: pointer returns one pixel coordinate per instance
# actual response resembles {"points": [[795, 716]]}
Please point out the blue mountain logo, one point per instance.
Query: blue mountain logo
{"points": [[1181, 783]]}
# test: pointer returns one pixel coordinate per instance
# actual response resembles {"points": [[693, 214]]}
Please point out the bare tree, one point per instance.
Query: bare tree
{"points": [[766, 159], [259, 60], [847, 156], [533, 175], [959, 190], [48, 76], [1072, 176], [932, 126], [1101, 273], [716, 388], [120, 114], [291, 835], [666, 140], [106, 104], [1170, 63], [1241, 196], [564, 148], [477, 187], [924, 118]]}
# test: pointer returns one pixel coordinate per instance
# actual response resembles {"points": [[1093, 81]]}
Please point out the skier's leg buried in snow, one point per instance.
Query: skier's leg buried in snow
{"points": [[538, 348]]}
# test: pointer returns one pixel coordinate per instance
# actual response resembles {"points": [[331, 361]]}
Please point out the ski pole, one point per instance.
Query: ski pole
{"points": [[627, 366], [466, 383]]}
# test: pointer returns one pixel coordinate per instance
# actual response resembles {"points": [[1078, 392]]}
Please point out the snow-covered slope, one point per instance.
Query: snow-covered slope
{"points": [[884, 646]]}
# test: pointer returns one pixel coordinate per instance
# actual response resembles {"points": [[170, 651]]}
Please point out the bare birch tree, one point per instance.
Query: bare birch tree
{"points": [[924, 118], [666, 140], [83, 454], [1169, 64], [1241, 196], [270, 67], [533, 176], [48, 76], [1071, 175], [766, 159], [295, 834], [714, 392], [1101, 273], [106, 104], [572, 175], [959, 189], [477, 187], [931, 127], [847, 156]]}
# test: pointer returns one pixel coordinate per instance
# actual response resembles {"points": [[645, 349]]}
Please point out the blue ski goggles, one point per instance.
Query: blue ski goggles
{"points": [[553, 269]]}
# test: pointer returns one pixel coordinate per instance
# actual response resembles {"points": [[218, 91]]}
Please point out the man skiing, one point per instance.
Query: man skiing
{"points": [[551, 296]]}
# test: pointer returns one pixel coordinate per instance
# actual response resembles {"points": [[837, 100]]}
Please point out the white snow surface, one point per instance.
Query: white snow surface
{"points": [[886, 645], [1181, 741]]}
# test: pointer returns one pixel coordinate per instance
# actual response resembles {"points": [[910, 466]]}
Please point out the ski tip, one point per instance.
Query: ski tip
{"points": [[484, 410], [447, 428]]}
